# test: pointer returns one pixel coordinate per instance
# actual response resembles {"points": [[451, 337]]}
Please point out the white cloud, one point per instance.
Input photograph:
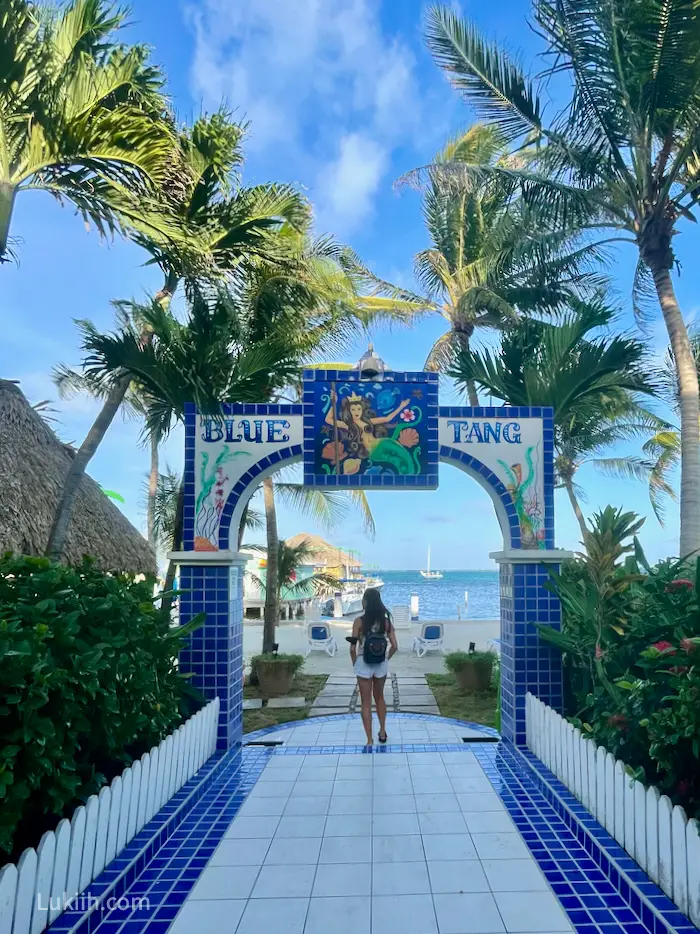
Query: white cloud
{"points": [[329, 93], [347, 186]]}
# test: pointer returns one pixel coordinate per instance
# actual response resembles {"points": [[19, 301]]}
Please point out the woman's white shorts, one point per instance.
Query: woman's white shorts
{"points": [[363, 670]]}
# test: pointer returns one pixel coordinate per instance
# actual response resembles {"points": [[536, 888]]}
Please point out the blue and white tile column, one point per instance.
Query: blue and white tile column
{"points": [[528, 663], [212, 583]]}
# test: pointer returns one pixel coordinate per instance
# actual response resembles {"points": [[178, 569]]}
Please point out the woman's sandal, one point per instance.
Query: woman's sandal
{"points": [[383, 738]]}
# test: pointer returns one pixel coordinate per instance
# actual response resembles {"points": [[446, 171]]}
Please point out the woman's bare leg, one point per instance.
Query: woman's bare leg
{"points": [[365, 686], [378, 691]]}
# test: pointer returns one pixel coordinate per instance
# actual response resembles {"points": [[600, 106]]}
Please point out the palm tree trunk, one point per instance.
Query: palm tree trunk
{"points": [[152, 493], [569, 486], [689, 411], [164, 295], [85, 453], [272, 575], [462, 336], [242, 526], [7, 203]]}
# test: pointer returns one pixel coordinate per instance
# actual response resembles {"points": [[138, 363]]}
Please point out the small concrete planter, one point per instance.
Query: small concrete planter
{"points": [[472, 670], [475, 678], [276, 673]]}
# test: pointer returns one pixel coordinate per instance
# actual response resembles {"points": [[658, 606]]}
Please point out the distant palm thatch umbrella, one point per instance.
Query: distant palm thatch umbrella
{"points": [[33, 464]]}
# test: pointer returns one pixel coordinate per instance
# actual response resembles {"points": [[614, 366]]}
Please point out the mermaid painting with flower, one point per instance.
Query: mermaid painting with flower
{"points": [[365, 436]]}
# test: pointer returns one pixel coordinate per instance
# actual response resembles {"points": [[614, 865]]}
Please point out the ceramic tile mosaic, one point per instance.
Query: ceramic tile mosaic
{"points": [[527, 662], [399, 415]]}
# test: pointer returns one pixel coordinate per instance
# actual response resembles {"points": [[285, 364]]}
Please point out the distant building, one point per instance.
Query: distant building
{"points": [[326, 557]]}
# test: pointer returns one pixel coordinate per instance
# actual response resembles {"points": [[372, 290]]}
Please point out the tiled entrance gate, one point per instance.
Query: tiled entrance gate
{"points": [[384, 433]]}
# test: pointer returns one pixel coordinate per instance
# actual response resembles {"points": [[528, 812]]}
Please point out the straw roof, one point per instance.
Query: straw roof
{"points": [[33, 463], [323, 552]]}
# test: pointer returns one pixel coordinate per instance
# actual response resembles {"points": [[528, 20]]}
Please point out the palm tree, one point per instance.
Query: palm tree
{"points": [[591, 382], [210, 358], [82, 115], [620, 159], [321, 296], [661, 453], [481, 269], [215, 228]]}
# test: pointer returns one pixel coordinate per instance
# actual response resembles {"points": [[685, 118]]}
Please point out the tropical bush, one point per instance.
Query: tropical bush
{"points": [[88, 682], [631, 645]]}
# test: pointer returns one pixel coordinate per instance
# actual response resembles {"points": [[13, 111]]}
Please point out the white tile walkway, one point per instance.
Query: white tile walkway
{"points": [[399, 843]]}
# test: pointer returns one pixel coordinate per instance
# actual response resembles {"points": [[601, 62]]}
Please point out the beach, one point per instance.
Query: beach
{"points": [[292, 638]]}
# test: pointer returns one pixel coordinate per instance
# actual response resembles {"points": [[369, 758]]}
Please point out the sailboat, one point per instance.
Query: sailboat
{"points": [[431, 575]]}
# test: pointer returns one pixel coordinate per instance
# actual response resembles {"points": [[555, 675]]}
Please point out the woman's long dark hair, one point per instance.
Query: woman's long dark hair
{"points": [[374, 612]]}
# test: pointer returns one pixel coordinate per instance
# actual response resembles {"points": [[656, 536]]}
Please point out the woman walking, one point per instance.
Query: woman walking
{"points": [[372, 644]]}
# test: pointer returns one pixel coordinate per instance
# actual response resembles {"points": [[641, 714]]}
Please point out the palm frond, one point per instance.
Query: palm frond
{"points": [[492, 83]]}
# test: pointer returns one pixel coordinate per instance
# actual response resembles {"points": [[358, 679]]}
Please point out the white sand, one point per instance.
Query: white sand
{"points": [[292, 637]]}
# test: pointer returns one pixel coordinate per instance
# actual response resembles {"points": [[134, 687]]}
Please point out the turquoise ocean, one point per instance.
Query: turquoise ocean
{"points": [[444, 599]]}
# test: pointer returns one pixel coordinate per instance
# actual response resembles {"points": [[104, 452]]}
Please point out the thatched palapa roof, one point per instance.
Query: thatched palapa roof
{"points": [[33, 463], [322, 552]]}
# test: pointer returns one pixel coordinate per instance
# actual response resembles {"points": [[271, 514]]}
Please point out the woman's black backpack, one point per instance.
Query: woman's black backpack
{"points": [[374, 649]]}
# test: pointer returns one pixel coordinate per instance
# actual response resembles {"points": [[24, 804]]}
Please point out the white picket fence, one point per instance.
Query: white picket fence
{"points": [[68, 859], [656, 834]]}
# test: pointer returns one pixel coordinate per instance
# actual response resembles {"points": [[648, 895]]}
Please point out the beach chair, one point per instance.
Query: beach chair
{"points": [[429, 640], [401, 616], [321, 639]]}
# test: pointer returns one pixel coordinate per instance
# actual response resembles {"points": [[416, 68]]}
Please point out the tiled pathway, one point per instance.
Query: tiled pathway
{"points": [[429, 835], [350, 843], [401, 693]]}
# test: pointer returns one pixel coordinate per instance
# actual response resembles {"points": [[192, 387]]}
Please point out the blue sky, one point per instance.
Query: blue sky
{"points": [[343, 99]]}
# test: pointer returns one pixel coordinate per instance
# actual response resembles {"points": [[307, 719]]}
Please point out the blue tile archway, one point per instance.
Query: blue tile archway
{"points": [[212, 582]]}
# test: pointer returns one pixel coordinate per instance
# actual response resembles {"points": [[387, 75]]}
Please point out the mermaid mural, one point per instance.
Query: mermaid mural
{"points": [[214, 486], [363, 441], [523, 490]]}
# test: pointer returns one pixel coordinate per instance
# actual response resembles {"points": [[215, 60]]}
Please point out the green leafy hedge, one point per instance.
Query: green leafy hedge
{"points": [[631, 645], [88, 682]]}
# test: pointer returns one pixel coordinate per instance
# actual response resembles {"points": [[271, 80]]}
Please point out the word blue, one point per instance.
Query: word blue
{"points": [[466, 432], [242, 429]]}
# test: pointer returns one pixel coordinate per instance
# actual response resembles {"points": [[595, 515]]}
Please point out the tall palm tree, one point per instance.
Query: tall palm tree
{"points": [[216, 227], [82, 115], [592, 382], [212, 357], [323, 297], [620, 159], [483, 267]]}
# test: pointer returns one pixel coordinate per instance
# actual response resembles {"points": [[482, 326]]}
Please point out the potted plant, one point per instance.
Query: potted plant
{"points": [[472, 670], [275, 672]]}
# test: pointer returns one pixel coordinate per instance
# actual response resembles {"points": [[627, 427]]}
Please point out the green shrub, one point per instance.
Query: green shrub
{"points": [[88, 681], [631, 644], [294, 662], [456, 661]]}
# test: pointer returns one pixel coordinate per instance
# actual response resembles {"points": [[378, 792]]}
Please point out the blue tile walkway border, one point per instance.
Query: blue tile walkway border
{"points": [[647, 902], [336, 717], [601, 889]]}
